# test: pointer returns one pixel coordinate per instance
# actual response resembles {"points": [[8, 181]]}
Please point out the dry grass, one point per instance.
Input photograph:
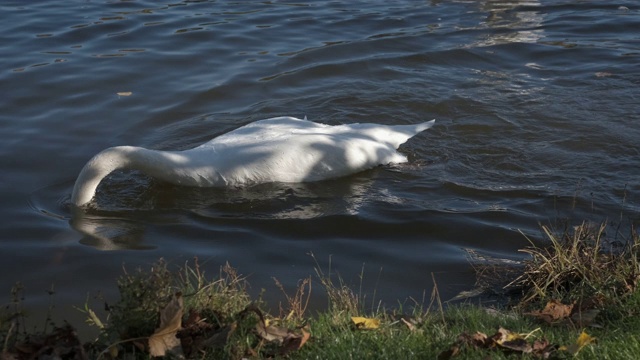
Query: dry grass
{"points": [[297, 303], [580, 264], [341, 298]]}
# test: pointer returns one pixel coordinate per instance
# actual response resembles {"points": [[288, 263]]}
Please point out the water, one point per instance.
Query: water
{"points": [[537, 119]]}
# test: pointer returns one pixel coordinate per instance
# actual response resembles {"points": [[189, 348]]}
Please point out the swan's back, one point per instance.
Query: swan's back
{"points": [[282, 128], [287, 149]]}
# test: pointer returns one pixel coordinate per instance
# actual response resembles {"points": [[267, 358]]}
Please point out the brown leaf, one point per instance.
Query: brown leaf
{"points": [[194, 318], [409, 324], [272, 332], [293, 343], [479, 340], [543, 349], [553, 312], [164, 338], [539, 345]]}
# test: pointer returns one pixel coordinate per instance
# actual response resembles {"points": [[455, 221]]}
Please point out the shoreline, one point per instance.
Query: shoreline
{"points": [[576, 289]]}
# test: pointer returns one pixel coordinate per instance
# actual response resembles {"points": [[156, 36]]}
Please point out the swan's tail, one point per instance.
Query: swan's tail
{"points": [[401, 133], [393, 135], [424, 126], [408, 131]]}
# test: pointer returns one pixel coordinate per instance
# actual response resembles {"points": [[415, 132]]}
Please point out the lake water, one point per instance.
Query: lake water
{"points": [[537, 120]]}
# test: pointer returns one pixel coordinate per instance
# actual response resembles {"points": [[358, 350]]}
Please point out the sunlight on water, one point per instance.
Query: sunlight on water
{"points": [[535, 101]]}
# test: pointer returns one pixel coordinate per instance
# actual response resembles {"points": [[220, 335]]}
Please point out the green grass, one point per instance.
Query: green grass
{"points": [[579, 268]]}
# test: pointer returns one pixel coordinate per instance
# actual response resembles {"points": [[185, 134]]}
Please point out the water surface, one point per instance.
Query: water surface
{"points": [[537, 120]]}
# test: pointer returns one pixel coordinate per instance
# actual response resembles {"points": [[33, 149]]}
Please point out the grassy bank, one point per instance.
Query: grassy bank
{"points": [[577, 296]]}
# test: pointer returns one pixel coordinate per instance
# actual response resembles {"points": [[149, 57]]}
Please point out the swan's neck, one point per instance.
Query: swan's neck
{"points": [[165, 165]]}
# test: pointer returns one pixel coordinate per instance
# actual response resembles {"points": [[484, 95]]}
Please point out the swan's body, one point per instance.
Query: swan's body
{"points": [[282, 149]]}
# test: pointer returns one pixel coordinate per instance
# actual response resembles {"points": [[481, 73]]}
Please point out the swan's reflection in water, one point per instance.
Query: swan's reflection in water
{"points": [[104, 233], [125, 218]]}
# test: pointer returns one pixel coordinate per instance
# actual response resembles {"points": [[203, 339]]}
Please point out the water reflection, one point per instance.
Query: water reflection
{"points": [[126, 213], [104, 233], [511, 22]]}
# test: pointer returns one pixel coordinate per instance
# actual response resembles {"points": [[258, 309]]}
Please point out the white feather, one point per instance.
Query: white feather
{"points": [[282, 149]]}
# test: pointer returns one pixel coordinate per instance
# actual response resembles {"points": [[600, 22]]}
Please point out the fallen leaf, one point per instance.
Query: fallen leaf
{"points": [[553, 312], [479, 339], [512, 341], [409, 324], [583, 340], [365, 323], [288, 340], [164, 338], [293, 343], [272, 332]]}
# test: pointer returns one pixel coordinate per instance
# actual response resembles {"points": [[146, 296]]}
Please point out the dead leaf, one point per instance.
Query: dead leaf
{"points": [[479, 339], [272, 332], [286, 338], [583, 340], [409, 324], [553, 312], [164, 338], [294, 343], [365, 323], [512, 341]]}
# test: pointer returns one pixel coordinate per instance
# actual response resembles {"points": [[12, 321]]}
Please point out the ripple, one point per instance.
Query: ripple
{"points": [[536, 108]]}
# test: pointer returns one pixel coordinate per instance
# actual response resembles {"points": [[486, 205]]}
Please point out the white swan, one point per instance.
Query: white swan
{"points": [[282, 149]]}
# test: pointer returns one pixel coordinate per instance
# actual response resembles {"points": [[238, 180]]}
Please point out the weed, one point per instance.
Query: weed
{"points": [[580, 264]]}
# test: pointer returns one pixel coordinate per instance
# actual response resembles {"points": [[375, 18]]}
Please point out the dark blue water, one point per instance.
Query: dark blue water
{"points": [[537, 120]]}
